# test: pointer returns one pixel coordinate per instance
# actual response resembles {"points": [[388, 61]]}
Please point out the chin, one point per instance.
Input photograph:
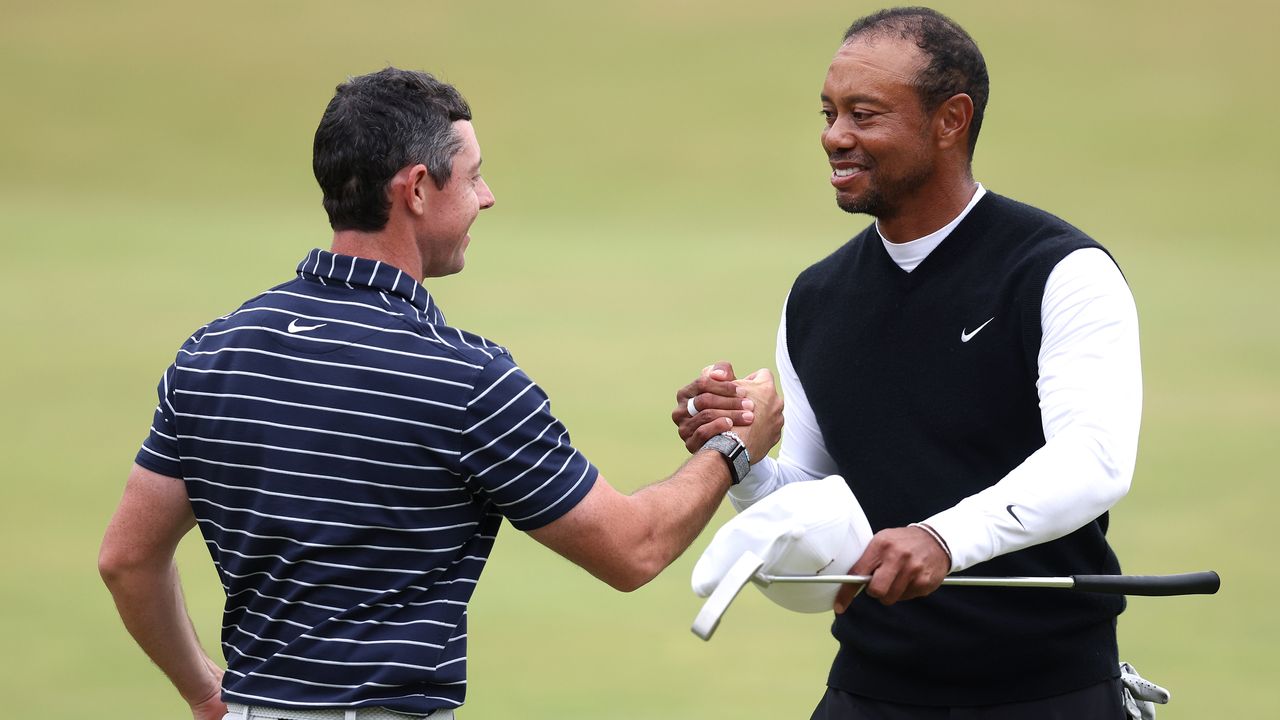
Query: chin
{"points": [[868, 203]]}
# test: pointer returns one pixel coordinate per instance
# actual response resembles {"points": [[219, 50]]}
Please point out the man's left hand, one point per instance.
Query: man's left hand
{"points": [[903, 563]]}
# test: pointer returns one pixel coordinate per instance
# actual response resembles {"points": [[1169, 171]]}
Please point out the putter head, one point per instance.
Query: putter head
{"points": [[739, 574]]}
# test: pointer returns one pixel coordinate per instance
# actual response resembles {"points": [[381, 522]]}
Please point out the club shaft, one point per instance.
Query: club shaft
{"points": [[1196, 583], [959, 580]]}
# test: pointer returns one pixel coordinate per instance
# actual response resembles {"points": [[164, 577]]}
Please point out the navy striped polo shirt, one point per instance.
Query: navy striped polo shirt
{"points": [[349, 459]]}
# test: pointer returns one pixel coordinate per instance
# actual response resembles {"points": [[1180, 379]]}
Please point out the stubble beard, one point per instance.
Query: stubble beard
{"points": [[882, 199], [869, 202]]}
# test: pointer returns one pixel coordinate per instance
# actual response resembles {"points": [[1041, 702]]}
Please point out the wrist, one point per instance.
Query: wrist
{"points": [[937, 537], [206, 697], [210, 690], [735, 453]]}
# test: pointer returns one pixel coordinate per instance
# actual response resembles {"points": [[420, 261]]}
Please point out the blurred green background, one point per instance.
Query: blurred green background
{"points": [[659, 184]]}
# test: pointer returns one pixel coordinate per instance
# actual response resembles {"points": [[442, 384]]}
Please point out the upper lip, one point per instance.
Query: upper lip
{"points": [[846, 163]]}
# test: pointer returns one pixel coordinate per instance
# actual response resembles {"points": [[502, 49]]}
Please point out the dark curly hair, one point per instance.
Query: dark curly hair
{"points": [[375, 125], [955, 64]]}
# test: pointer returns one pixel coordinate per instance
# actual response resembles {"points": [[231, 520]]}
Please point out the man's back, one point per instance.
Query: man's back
{"points": [[349, 457], [338, 444]]}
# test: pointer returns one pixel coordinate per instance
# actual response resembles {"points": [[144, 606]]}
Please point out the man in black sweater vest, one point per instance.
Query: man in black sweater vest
{"points": [[970, 365]]}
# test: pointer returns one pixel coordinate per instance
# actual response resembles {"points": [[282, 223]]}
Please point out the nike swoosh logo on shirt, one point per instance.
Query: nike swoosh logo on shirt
{"points": [[967, 336], [1009, 509], [294, 327]]}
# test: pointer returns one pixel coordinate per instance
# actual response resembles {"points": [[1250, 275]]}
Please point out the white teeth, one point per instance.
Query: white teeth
{"points": [[845, 172]]}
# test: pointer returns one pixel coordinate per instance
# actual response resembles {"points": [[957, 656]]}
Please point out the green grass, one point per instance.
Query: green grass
{"points": [[659, 184]]}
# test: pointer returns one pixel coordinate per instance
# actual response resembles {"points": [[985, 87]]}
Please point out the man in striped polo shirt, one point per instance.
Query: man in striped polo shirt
{"points": [[349, 457]]}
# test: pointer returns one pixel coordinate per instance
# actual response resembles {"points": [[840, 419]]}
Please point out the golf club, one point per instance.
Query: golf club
{"points": [[747, 569]]}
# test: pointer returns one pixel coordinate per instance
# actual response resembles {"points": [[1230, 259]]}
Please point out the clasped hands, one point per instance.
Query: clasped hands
{"points": [[903, 563], [717, 401]]}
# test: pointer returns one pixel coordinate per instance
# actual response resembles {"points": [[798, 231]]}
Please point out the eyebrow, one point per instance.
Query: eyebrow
{"points": [[851, 99]]}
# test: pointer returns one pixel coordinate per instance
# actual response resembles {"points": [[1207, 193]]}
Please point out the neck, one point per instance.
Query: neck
{"points": [[390, 246], [928, 210]]}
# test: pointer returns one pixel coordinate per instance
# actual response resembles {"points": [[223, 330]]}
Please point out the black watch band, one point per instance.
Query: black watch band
{"points": [[735, 453]]}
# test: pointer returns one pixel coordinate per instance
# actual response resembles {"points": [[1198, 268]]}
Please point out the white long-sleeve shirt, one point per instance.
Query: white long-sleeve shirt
{"points": [[1090, 389]]}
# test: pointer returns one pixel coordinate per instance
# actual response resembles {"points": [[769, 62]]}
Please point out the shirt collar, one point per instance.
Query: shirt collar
{"points": [[326, 268], [908, 255]]}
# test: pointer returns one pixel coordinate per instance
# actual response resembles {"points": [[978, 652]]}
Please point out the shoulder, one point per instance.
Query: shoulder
{"points": [[467, 346], [245, 313], [1029, 238], [1027, 222]]}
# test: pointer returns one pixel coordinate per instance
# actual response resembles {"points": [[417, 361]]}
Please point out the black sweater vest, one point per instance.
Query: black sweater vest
{"points": [[917, 419]]}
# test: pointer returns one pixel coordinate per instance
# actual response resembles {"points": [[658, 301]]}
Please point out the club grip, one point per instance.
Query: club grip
{"points": [[1195, 583]]}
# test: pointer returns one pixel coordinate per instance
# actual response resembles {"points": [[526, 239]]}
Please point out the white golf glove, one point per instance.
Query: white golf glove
{"points": [[1140, 695]]}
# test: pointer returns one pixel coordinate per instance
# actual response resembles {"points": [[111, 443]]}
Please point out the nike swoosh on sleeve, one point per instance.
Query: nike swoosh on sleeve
{"points": [[1009, 509]]}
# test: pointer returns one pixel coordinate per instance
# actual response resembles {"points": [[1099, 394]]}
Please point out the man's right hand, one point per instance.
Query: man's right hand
{"points": [[750, 407], [716, 397], [211, 708]]}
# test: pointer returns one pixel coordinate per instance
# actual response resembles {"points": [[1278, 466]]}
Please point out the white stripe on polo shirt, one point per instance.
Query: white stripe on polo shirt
{"points": [[330, 523], [344, 366], [299, 428], [300, 543], [335, 456]]}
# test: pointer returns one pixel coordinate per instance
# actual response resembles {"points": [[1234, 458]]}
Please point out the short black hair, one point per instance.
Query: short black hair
{"points": [[375, 125], [955, 63]]}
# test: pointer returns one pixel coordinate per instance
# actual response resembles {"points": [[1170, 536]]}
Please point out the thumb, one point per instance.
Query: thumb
{"points": [[721, 370]]}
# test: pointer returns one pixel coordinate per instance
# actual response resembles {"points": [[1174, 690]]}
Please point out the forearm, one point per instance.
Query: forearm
{"points": [[150, 602], [1090, 389], [769, 475], [1061, 487], [626, 540], [672, 513]]}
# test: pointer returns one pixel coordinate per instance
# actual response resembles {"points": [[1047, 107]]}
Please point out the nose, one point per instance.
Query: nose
{"points": [[486, 195], [838, 136]]}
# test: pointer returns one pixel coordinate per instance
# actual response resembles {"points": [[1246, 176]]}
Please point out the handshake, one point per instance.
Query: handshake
{"points": [[718, 402]]}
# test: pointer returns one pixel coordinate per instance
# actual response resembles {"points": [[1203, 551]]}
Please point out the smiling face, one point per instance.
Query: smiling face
{"points": [[877, 134], [443, 230]]}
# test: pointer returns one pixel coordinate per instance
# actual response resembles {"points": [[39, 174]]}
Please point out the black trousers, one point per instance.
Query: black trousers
{"points": [[1097, 702]]}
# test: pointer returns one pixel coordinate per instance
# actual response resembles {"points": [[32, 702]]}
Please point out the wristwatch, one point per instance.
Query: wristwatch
{"points": [[734, 451]]}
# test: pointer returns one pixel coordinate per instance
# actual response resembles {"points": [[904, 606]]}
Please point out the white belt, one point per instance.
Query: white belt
{"points": [[237, 711]]}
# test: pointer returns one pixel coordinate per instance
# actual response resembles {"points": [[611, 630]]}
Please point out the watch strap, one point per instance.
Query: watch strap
{"points": [[735, 453]]}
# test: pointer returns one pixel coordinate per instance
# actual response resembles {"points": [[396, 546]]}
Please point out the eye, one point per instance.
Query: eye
{"points": [[828, 115], [860, 115]]}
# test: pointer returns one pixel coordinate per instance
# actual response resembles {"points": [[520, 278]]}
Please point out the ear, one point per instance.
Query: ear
{"points": [[951, 121], [410, 186]]}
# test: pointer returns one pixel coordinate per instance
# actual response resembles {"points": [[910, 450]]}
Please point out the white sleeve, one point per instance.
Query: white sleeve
{"points": [[803, 455], [1090, 388]]}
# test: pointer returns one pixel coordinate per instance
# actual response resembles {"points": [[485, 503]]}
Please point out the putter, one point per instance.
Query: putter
{"points": [[747, 569]]}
